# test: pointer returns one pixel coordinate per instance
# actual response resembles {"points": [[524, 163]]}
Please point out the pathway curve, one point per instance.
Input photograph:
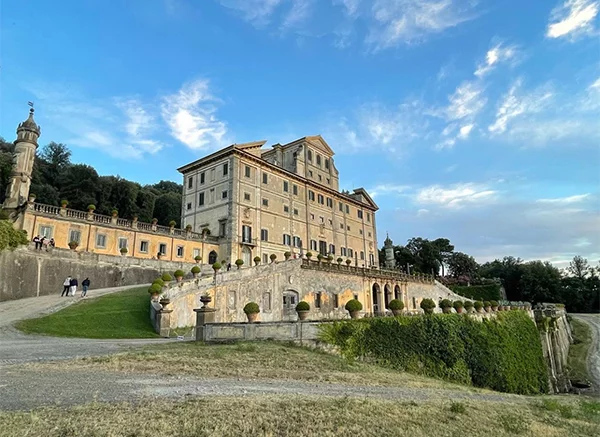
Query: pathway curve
{"points": [[27, 388], [593, 359]]}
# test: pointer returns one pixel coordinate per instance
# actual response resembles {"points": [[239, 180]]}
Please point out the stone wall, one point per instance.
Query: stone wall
{"points": [[26, 272], [280, 331]]}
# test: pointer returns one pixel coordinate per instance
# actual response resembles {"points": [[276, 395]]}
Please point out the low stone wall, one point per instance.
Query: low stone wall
{"points": [[26, 272], [280, 331]]}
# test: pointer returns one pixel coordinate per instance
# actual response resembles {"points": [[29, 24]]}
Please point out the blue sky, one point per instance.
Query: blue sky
{"points": [[473, 120]]}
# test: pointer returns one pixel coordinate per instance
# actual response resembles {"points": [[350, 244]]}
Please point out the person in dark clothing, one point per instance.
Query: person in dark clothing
{"points": [[85, 284], [228, 266], [73, 287], [36, 241]]}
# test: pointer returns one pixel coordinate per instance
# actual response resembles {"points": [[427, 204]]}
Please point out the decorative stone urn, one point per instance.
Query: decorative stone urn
{"points": [[354, 314], [205, 299], [252, 317], [302, 315]]}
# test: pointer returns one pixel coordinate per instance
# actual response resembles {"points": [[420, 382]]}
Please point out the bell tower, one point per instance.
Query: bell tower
{"points": [[26, 145]]}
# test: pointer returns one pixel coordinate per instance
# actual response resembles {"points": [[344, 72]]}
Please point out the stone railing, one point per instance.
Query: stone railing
{"points": [[368, 272], [90, 216]]}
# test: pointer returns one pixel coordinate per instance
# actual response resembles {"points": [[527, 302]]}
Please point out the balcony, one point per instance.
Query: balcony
{"points": [[248, 241]]}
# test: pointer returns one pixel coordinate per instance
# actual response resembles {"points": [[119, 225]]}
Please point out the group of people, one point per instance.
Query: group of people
{"points": [[70, 286], [43, 242]]}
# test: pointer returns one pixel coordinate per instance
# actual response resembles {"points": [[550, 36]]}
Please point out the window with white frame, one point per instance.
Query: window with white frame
{"points": [[162, 248], [287, 239], [179, 251], [196, 253], [45, 231], [297, 242], [101, 241], [144, 246], [313, 244]]}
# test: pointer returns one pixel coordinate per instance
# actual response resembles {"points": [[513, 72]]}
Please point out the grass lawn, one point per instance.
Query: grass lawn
{"points": [[264, 360], [308, 416], [124, 314], [578, 352]]}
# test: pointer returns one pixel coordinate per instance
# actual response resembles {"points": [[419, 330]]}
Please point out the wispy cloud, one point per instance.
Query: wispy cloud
{"points": [[566, 200], [191, 115], [455, 196], [351, 7], [496, 55], [298, 13], [256, 12], [384, 189], [573, 18]]}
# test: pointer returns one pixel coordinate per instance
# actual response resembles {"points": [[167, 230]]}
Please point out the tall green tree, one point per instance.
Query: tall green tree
{"points": [[462, 265], [167, 208]]}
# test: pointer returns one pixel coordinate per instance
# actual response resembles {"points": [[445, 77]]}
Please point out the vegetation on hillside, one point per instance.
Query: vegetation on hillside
{"points": [[9, 237], [503, 354], [578, 351]]}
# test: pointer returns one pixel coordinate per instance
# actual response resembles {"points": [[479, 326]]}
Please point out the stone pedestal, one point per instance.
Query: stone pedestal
{"points": [[163, 321], [204, 316]]}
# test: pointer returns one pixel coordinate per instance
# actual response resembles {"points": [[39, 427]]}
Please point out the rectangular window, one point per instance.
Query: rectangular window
{"points": [[348, 227], [224, 194], [311, 195], [330, 222], [179, 251], [225, 169], [231, 299], [212, 174], [74, 235], [319, 160], [247, 196], [297, 242], [369, 217], [247, 171], [328, 181], [101, 241], [295, 211], [310, 155], [341, 226], [201, 199], [286, 186], [322, 219], [362, 255], [122, 243], [46, 231], [321, 199], [312, 216], [286, 208], [190, 182], [360, 214], [320, 178], [323, 247], [313, 245], [162, 248], [370, 234], [341, 205], [265, 202], [310, 173], [266, 301], [223, 228], [212, 196], [265, 178], [189, 206], [332, 249], [264, 235], [318, 300], [287, 240], [295, 189], [347, 209], [329, 202], [360, 231], [246, 234], [350, 253], [202, 177], [336, 301], [326, 163], [196, 253], [265, 258], [144, 246], [343, 251]]}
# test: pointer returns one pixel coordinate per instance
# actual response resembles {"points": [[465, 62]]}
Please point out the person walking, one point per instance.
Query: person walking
{"points": [[86, 285], [36, 241], [73, 286], [66, 286]]}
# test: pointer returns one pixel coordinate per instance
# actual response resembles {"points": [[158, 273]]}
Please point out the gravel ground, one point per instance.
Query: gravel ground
{"points": [[593, 320], [23, 388]]}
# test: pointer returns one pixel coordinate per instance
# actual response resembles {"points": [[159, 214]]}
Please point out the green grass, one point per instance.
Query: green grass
{"points": [[300, 416], [578, 352], [125, 314]]}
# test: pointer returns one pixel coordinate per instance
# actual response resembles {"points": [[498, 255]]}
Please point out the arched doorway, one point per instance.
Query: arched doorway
{"points": [[388, 295], [212, 257], [376, 303], [247, 256], [397, 293]]}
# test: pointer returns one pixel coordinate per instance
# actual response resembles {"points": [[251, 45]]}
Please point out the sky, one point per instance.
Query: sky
{"points": [[473, 120]]}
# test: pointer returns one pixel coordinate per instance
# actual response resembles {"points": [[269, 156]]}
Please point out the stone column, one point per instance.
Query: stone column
{"points": [[163, 321], [204, 316]]}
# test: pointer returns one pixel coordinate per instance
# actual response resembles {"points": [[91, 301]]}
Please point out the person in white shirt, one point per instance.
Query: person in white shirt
{"points": [[66, 286]]}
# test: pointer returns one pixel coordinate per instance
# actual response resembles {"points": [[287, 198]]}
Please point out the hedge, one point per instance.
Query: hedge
{"points": [[478, 292], [10, 238], [503, 354]]}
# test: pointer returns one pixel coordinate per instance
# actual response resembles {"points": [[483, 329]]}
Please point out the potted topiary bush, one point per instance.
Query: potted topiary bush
{"points": [[251, 309], [468, 306], [494, 305], [239, 263], [309, 255], [166, 278], [188, 227], [446, 305], [303, 308], [256, 260], [179, 274], [172, 223], [427, 305], [115, 213], [205, 299], [91, 208], [354, 307], [154, 290], [348, 262], [287, 255], [124, 251], [478, 305], [273, 257], [197, 258], [154, 221], [73, 245], [320, 257], [487, 306], [216, 267], [329, 258], [458, 306], [396, 306], [64, 203], [339, 261], [159, 281], [195, 271]]}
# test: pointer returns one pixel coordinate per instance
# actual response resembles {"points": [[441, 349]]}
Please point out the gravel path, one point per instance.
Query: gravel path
{"points": [[593, 320], [28, 388]]}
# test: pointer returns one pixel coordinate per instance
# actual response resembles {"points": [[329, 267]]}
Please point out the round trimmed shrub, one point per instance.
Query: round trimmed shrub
{"points": [[114, 212], [478, 305], [468, 305], [239, 262], [251, 308], [427, 305], [319, 256], [124, 250], [396, 304], [159, 282], [329, 258], [457, 304], [216, 266], [179, 273], [339, 260], [272, 257], [172, 223], [303, 306], [155, 289], [348, 261], [287, 254], [353, 305], [257, 259], [445, 303], [493, 303], [309, 255], [195, 270], [166, 277], [64, 202], [197, 258], [487, 304], [91, 207]]}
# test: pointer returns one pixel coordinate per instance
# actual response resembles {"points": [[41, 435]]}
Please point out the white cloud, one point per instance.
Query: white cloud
{"points": [[298, 13], [350, 6], [256, 12], [465, 131], [515, 105], [573, 18], [566, 200], [466, 101], [383, 189], [405, 21], [496, 55], [191, 115], [455, 196]]}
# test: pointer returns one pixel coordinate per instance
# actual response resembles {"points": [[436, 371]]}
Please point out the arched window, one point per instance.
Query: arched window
{"points": [[212, 257]]}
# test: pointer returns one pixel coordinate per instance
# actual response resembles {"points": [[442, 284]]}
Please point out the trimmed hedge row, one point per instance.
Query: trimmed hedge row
{"points": [[478, 292], [503, 354], [10, 238]]}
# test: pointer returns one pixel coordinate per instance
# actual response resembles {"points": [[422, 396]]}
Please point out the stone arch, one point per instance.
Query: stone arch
{"points": [[397, 292], [212, 257], [376, 292], [387, 297]]}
